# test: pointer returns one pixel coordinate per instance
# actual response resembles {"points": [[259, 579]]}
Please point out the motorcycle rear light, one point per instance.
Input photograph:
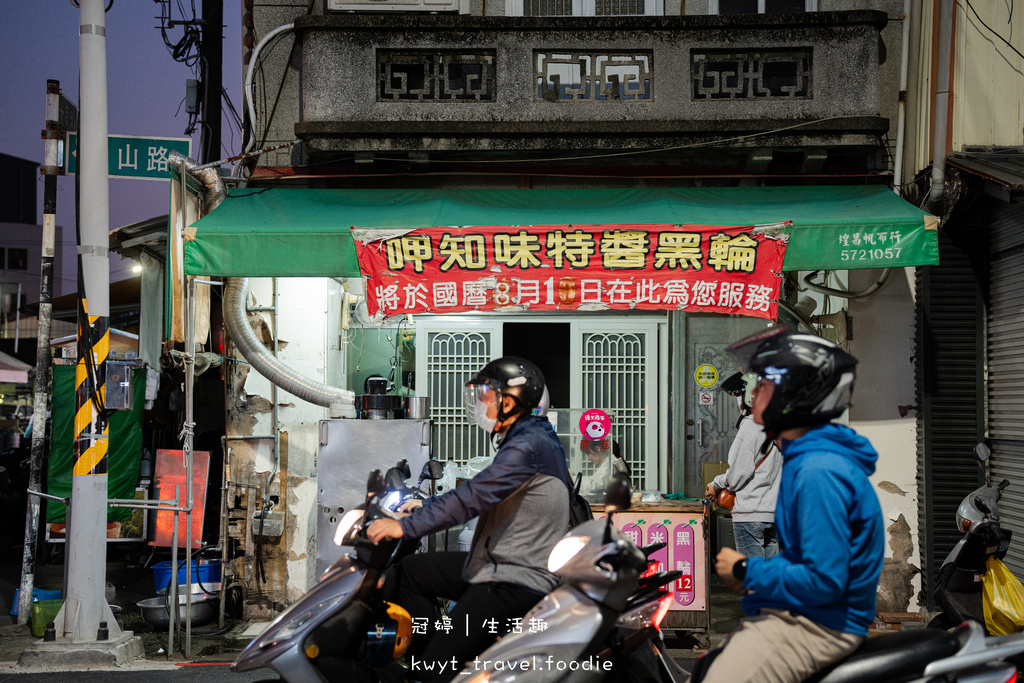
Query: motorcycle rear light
{"points": [[664, 603], [1013, 677], [652, 569]]}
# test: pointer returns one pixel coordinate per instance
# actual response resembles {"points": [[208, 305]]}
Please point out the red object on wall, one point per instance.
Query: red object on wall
{"points": [[170, 471]]}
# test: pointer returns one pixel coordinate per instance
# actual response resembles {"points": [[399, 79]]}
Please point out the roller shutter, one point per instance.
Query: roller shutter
{"points": [[1006, 367], [950, 393]]}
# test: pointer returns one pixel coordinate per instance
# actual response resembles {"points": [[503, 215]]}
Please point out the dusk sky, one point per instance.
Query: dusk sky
{"points": [[144, 89]]}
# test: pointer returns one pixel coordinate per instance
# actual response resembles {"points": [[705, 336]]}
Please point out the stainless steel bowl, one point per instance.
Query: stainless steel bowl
{"points": [[155, 611]]}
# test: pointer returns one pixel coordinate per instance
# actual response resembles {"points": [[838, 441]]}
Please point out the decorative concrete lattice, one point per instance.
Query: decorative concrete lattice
{"points": [[726, 74], [434, 76], [601, 76]]}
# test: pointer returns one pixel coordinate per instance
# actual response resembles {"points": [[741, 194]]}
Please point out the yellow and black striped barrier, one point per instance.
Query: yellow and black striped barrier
{"points": [[91, 428]]}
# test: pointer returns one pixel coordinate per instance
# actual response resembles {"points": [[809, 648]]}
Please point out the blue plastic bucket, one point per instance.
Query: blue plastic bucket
{"points": [[37, 595], [205, 573]]}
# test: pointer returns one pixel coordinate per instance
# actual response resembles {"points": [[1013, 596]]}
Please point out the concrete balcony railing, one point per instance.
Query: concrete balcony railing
{"points": [[439, 83]]}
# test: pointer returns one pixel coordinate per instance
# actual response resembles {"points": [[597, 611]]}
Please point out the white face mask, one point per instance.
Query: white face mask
{"points": [[480, 417]]}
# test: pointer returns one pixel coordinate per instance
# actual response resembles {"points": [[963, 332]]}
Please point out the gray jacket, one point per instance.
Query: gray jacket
{"points": [[522, 499], [756, 490]]}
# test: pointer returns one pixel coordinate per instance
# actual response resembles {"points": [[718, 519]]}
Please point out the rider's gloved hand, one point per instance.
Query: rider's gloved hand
{"points": [[384, 528]]}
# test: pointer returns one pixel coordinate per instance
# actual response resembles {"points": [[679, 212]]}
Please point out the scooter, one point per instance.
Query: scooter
{"points": [[965, 653], [602, 623], [342, 629], [958, 591]]}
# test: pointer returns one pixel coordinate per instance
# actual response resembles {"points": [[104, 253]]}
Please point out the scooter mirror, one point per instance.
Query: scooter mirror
{"points": [[394, 478], [981, 452], [403, 467], [617, 495], [432, 469], [375, 483]]}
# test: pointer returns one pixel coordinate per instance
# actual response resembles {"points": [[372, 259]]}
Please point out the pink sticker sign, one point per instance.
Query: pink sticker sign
{"points": [[595, 424], [682, 553]]}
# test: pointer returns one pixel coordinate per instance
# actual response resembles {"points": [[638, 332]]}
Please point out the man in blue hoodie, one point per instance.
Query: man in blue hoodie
{"points": [[810, 605]]}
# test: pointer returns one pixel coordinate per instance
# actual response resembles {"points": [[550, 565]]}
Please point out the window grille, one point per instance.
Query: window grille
{"points": [[452, 358], [547, 8], [614, 370], [619, 8]]}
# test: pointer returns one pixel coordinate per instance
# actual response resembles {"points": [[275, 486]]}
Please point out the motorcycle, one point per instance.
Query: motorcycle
{"points": [[964, 653], [958, 591], [602, 623], [342, 629]]}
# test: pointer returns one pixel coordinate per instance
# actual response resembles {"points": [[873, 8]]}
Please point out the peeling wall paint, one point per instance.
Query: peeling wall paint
{"points": [[895, 482], [895, 588], [306, 317]]}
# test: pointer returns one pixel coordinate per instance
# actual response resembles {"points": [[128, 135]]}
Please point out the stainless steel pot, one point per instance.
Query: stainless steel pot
{"points": [[417, 407]]}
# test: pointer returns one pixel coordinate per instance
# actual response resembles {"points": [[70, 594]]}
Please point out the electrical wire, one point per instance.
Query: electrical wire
{"points": [[991, 30]]}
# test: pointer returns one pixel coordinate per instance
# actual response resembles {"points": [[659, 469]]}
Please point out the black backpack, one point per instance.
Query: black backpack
{"points": [[579, 508]]}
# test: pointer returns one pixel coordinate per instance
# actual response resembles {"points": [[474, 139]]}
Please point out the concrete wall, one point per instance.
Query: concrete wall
{"points": [[309, 333], [884, 343]]}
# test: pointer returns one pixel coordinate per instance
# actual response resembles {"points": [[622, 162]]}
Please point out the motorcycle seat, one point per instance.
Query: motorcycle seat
{"points": [[894, 657]]}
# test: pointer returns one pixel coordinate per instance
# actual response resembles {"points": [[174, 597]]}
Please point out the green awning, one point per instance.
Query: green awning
{"points": [[305, 233]]}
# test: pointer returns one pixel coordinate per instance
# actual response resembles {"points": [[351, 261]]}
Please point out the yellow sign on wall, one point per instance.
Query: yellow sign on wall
{"points": [[706, 375]]}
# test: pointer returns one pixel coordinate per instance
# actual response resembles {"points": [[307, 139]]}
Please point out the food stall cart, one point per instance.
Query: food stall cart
{"points": [[683, 525]]}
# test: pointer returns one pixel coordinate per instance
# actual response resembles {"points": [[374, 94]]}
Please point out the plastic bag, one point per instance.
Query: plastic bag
{"points": [[1003, 599]]}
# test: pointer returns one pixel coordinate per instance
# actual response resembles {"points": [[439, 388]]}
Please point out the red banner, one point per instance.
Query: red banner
{"points": [[696, 268]]}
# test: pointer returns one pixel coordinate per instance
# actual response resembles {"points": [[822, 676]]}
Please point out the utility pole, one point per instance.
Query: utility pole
{"points": [[212, 66], [53, 134], [85, 605]]}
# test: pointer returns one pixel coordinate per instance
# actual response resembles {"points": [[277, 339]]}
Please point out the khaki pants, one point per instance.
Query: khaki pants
{"points": [[779, 647]]}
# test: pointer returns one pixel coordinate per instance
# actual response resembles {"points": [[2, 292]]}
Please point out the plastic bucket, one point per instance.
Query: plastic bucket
{"points": [[37, 595], [207, 573], [42, 613]]}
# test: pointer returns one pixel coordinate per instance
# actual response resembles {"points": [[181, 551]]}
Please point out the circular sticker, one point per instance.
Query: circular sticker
{"points": [[595, 424], [706, 375]]}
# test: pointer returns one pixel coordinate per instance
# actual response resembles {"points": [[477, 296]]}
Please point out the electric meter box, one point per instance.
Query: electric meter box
{"points": [[118, 385]]}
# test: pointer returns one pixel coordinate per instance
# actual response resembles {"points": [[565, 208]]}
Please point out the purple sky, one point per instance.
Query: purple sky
{"points": [[144, 88]]}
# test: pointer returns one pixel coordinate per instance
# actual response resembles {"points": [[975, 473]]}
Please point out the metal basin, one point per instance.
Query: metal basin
{"points": [[155, 611], [211, 591]]}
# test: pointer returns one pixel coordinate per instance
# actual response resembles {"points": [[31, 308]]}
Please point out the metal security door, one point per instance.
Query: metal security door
{"points": [[619, 374], [448, 352], [711, 414]]}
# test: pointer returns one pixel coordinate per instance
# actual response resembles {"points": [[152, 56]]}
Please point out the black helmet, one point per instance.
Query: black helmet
{"points": [[813, 377], [510, 376]]}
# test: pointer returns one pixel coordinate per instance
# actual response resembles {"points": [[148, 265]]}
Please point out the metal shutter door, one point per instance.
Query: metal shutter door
{"points": [[1005, 367], [950, 396]]}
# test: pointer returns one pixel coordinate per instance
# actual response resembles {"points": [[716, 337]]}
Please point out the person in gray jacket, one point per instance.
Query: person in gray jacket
{"points": [[753, 476], [522, 500]]}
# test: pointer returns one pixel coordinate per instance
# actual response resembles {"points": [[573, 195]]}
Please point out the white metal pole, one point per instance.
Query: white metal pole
{"points": [[85, 605]]}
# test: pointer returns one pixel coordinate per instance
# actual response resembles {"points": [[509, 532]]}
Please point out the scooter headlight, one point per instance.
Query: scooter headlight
{"points": [[278, 631], [565, 550], [347, 526]]}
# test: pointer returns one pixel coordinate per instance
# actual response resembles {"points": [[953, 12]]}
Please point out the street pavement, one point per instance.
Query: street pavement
{"points": [[150, 672], [212, 651]]}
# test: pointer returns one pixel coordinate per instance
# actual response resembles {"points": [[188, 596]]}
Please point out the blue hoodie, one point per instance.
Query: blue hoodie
{"points": [[830, 531]]}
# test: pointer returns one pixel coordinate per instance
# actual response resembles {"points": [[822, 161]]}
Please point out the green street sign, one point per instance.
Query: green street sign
{"points": [[134, 156]]}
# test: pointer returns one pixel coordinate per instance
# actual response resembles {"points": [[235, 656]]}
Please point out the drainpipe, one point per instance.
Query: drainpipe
{"points": [[901, 116], [236, 321], [939, 150], [215, 193]]}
